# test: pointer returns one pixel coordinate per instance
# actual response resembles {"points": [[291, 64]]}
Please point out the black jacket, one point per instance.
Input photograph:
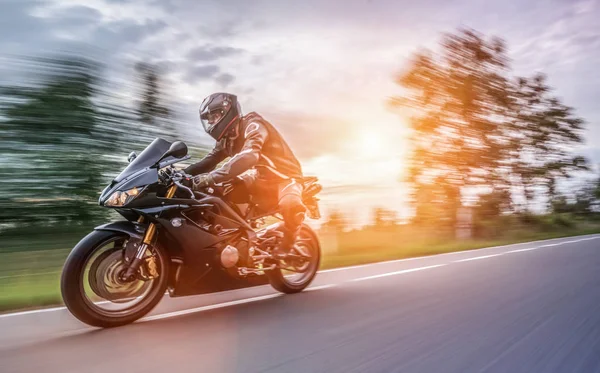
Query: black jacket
{"points": [[254, 143]]}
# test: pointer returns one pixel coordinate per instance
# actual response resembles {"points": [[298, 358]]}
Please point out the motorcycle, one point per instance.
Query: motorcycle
{"points": [[179, 241]]}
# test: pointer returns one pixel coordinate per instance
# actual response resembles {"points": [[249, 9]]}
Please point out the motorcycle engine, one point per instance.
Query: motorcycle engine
{"points": [[233, 256], [229, 256]]}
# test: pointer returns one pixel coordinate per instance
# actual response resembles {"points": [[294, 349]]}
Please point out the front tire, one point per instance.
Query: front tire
{"points": [[289, 284], [73, 287]]}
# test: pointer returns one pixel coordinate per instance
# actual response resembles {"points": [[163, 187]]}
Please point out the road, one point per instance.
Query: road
{"points": [[531, 307]]}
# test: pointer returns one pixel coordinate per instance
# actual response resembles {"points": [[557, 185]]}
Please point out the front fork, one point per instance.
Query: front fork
{"points": [[149, 235]]}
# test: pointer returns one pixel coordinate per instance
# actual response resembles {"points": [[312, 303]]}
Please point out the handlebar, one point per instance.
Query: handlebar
{"points": [[176, 176], [170, 174], [184, 187]]}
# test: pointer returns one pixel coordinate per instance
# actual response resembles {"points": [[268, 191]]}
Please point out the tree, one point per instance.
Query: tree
{"points": [[155, 113], [476, 128], [336, 221], [457, 98], [583, 203], [436, 203], [383, 218], [493, 204], [152, 110], [64, 136], [542, 132], [51, 172]]}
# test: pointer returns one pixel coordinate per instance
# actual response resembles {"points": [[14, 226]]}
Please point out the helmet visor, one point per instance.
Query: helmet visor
{"points": [[212, 112], [210, 118]]}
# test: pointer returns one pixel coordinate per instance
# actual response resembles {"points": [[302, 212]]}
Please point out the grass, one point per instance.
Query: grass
{"points": [[424, 249], [30, 291], [30, 279]]}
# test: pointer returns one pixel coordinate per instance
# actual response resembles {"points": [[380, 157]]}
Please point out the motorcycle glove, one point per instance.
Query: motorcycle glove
{"points": [[201, 181]]}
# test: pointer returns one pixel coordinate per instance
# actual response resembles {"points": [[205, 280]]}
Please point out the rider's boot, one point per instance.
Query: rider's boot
{"points": [[288, 241]]}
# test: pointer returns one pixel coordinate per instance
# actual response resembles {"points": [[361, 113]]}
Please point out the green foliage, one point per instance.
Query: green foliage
{"points": [[66, 132], [563, 220], [493, 204], [541, 132], [583, 203], [50, 172]]}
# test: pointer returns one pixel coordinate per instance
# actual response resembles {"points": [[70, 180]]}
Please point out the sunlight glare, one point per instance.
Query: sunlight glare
{"points": [[371, 145]]}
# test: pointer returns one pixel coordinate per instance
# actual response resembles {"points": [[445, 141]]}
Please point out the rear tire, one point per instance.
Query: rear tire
{"points": [[278, 280], [73, 277]]}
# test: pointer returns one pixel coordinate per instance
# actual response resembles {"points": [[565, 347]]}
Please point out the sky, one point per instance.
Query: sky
{"points": [[320, 70]]}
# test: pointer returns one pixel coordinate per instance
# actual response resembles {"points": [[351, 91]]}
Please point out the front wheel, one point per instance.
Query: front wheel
{"points": [[91, 283], [294, 275]]}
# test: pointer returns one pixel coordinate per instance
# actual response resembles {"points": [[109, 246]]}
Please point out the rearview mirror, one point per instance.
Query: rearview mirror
{"points": [[131, 157], [178, 149]]}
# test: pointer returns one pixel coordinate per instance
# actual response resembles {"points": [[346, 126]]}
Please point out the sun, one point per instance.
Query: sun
{"points": [[371, 145]]}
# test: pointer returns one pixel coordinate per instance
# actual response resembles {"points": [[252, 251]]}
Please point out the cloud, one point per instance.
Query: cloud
{"points": [[593, 155], [165, 66], [209, 53], [225, 79], [293, 51], [569, 37], [222, 30], [18, 25], [81, 13], [309, 135], [116, 35], [201, 72]]}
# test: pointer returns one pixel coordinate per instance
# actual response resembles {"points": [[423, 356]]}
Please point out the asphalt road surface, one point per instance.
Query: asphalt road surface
{"points": [[531, 307]]}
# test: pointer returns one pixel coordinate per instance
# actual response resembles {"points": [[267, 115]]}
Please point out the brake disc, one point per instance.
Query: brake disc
{"points": [[92, 274], [108, 283]]}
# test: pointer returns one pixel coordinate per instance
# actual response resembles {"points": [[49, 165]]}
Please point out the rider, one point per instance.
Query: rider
{"points": [[251, 142]]}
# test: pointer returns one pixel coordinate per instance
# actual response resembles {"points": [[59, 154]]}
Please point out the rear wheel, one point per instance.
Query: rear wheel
{"points": [[91, 283], [294, 274]]}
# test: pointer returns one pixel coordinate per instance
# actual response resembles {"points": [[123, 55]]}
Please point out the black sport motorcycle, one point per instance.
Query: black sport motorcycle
{"points": [[179, 240]]}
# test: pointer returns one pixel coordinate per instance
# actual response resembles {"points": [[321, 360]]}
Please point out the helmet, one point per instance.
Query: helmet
{"points": [[218, 113]]}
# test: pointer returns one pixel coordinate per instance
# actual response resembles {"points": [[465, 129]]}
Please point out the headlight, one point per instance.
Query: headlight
{"points": [[121, 198]]}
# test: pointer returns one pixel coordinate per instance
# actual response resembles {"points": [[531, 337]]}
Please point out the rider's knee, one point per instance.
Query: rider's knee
{"points": [[292, 209]]}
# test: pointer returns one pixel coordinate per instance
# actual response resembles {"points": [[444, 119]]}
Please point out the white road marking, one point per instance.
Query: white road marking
{"points": [[30, 274], [595, 237], [320, 287], [551, 245], [395, 273], [248, 300], [32, 311], [522, 250], [227, 304], [372, 264], [210, 307], [477, 258]]}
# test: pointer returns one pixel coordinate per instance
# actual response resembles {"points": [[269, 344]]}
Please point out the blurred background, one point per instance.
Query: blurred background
{"points": [[470, 126]]}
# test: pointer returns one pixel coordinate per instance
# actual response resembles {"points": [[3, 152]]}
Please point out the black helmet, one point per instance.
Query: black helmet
{"points": [[218, 113]]}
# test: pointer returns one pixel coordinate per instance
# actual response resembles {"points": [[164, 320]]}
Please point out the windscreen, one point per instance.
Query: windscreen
{"points": [[147, 158]]}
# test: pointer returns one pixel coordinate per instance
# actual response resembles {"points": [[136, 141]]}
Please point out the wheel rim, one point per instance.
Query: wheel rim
{"points": [[297, 271], [104, 292]]}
